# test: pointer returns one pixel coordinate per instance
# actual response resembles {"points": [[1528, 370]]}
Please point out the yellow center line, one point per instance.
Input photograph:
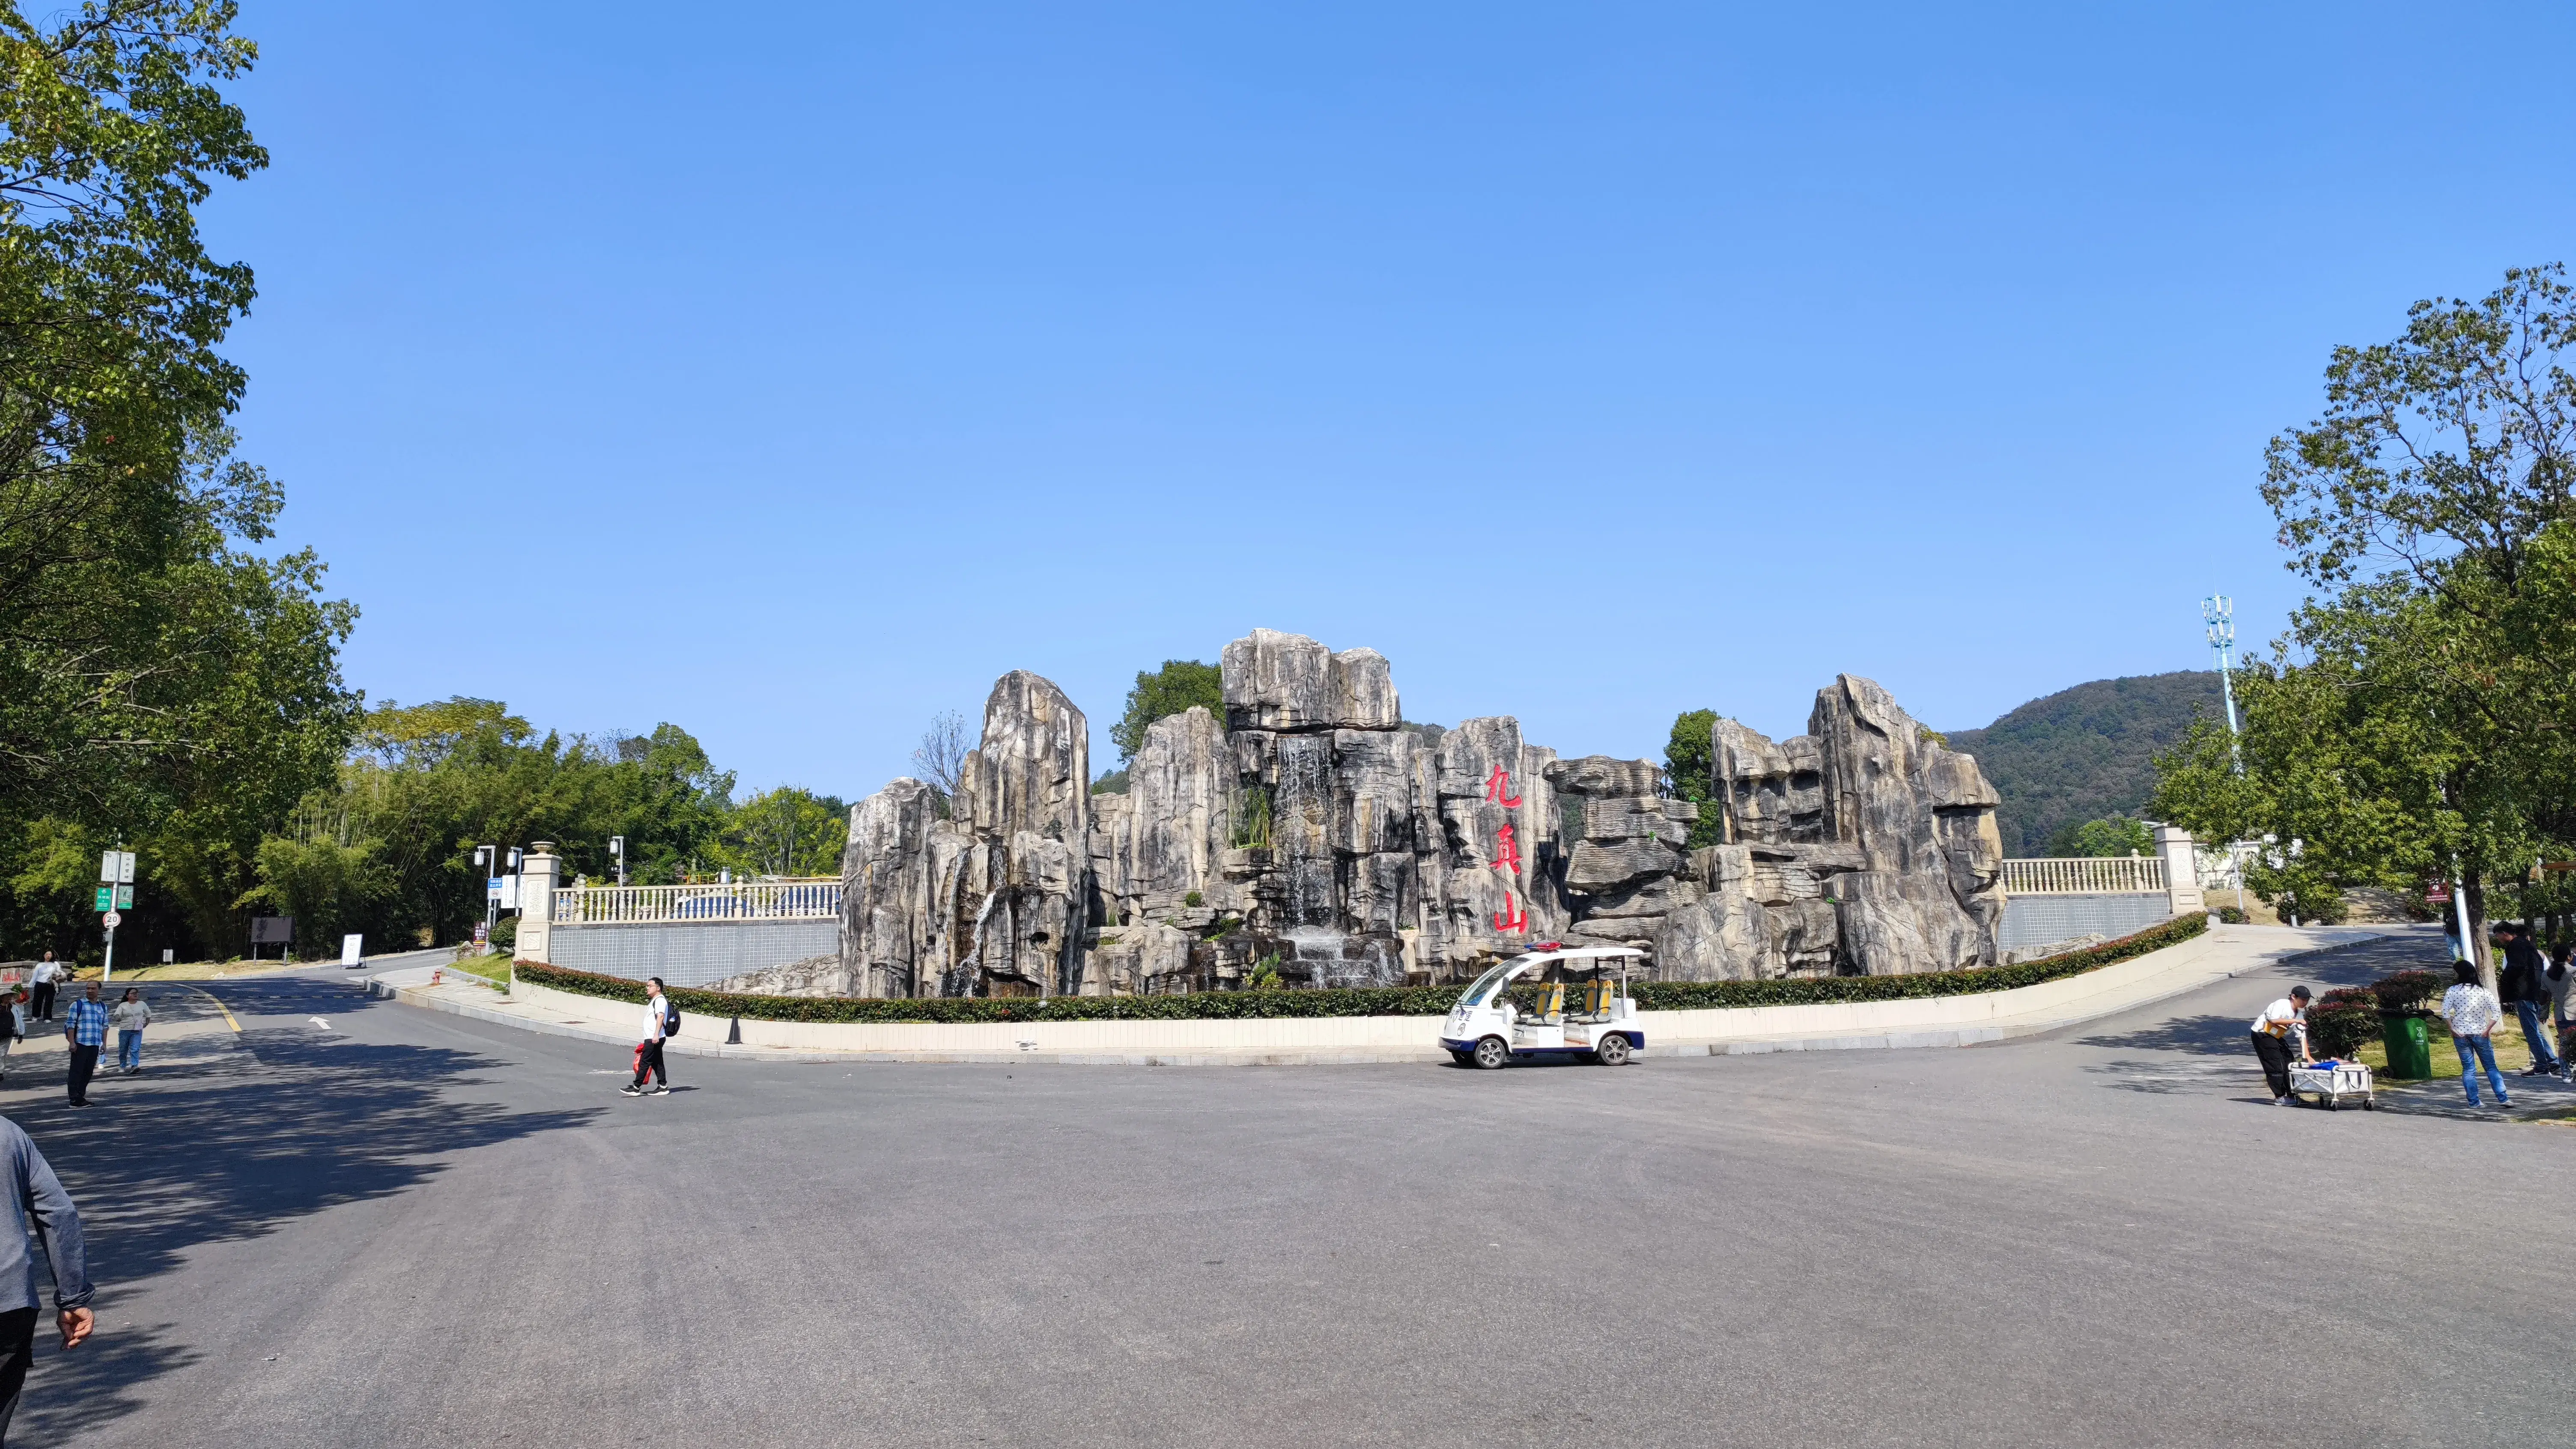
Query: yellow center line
{"points": [[210, 996]]}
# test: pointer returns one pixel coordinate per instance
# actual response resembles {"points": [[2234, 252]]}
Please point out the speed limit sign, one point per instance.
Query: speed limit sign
{"points": [[113, 919]]}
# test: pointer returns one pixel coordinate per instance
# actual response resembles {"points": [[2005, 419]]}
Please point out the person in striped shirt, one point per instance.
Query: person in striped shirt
{"points": [[2473, 1012]]}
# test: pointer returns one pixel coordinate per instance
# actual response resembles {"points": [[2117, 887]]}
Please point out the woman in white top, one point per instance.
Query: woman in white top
{"points": [[2473, 1012], [129, 1017]]}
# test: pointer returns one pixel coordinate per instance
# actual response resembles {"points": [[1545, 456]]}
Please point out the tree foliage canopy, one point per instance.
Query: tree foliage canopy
{"points": [[162, 684], [1690, 765], [1164, 692], [2418, 717], [2112, 835]]}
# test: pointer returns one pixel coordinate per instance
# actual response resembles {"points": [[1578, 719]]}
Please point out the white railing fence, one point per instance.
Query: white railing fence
{"points": [[2085, 875], [758, 900]]}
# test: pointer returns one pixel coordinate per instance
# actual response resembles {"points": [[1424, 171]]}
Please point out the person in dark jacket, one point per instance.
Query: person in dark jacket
{"points": [[39, 1211], [2523, 985]]}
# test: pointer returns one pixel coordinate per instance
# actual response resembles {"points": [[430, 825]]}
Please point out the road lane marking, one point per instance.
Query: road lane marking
{"points": [[317, 1021], [210, 996]]}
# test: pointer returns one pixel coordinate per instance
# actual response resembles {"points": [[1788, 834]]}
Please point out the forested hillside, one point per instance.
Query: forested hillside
{"points": [[2084, 753]]}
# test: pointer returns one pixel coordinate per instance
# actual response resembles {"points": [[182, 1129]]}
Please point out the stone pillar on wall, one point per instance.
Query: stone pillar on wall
{"points": [[537, 872], [2182, 869]]}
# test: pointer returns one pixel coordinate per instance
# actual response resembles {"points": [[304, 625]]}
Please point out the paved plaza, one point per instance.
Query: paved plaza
{"points": [[357, 1222]]}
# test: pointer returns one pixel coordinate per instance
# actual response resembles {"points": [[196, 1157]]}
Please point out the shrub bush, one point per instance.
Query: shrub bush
{"points": [[2408, 991], [2343, 1020], [1366, 1000]]}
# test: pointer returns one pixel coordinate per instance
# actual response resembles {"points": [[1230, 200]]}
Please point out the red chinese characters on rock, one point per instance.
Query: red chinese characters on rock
{"points": [[1512, 919]]}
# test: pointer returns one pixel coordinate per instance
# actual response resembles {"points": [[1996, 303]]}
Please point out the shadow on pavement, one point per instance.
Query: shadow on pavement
{"points": [[299, 1122], [2199, 1035], [2358, 964]]}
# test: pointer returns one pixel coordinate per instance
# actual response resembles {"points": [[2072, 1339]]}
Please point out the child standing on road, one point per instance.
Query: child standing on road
{"points": [[129, 1017], [2473, 1012]]}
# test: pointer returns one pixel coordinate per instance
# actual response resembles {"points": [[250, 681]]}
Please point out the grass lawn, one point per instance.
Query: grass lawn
{"points": [[2511, 1053]]}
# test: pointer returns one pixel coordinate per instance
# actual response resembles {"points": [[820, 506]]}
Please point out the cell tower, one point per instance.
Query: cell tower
{"points": [[2219, 612]]}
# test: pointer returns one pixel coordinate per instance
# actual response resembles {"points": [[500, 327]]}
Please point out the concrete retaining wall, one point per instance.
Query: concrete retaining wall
{"points": [[2039, 920], [688, 953]]}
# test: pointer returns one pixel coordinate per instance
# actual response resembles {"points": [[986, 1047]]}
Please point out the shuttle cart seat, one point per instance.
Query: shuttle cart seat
{"points": [[1597, 996], [1550, 1005]]}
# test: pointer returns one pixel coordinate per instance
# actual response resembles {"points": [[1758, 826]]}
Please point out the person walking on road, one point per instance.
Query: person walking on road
{"points": [[648, 1053], [2279, 1022], [43, 979], [84, 1031], [13, 1025], [2472, 1011], [2524, 986], [40, 1211], [129, 1017]]}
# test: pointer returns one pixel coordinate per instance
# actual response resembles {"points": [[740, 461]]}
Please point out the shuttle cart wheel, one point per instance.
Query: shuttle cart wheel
{"points": [[2370, 1104], [1492, 1052], [2331, 1104], [1613, 1050]]}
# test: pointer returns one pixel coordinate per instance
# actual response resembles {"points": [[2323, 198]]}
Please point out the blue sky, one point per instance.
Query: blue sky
{"points": [[790, 374]]}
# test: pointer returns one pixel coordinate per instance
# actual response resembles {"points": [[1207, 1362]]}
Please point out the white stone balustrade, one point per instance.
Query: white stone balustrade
{"points": [[816, 899]]}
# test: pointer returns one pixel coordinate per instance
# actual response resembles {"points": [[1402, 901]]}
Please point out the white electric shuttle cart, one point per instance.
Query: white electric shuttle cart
{"points": [[1582, 1009]]}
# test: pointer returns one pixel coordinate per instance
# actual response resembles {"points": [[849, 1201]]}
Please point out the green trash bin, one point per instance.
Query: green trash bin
{"points": [[2410, 1049]]}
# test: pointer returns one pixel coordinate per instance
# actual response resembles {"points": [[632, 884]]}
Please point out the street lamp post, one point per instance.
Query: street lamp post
{"points": [[485, 857], [617, 852]]}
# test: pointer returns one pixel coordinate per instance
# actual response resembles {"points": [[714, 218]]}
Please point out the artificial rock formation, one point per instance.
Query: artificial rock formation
{"points": [[993, 899], [1313, 835], [1865, 846]]}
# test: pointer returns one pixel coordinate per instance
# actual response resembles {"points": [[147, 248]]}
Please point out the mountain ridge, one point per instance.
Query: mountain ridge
{"points": [[2085, 752]]}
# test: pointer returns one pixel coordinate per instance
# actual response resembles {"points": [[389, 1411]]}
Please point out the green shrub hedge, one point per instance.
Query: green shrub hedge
{"points": [[2343, 1021], [1363, 1001]]}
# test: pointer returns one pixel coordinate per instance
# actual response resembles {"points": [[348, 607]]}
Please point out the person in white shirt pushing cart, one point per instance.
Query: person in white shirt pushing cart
{"points": [[2280, 1021]]}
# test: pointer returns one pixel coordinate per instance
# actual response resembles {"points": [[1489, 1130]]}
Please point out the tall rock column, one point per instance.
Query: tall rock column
{"points": [[1331, 887], [1928, 892], [887, 922], [1024, 805], [1495, 874]]}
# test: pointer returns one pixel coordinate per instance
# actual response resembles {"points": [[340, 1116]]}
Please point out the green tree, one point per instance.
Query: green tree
{"points": [[2113, 835], [389, 846], [786, 832], [2421, 711], [114, 458], [162, 685], [1165, 692], [1690, 764]]}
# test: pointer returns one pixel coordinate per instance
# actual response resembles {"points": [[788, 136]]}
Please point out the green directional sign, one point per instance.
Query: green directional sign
{"points": [[125, 898], [106, 898]]}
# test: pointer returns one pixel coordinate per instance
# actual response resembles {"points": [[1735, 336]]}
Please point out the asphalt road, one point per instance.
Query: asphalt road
{"points": [[402, 1228]]}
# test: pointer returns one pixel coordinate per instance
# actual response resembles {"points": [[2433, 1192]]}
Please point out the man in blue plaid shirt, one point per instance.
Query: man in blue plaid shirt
{"points": [[85, 1028]]}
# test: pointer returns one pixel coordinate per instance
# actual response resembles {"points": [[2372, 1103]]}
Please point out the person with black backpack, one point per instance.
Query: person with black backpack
{"points": [[661, 1020], [2524, 989]]}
